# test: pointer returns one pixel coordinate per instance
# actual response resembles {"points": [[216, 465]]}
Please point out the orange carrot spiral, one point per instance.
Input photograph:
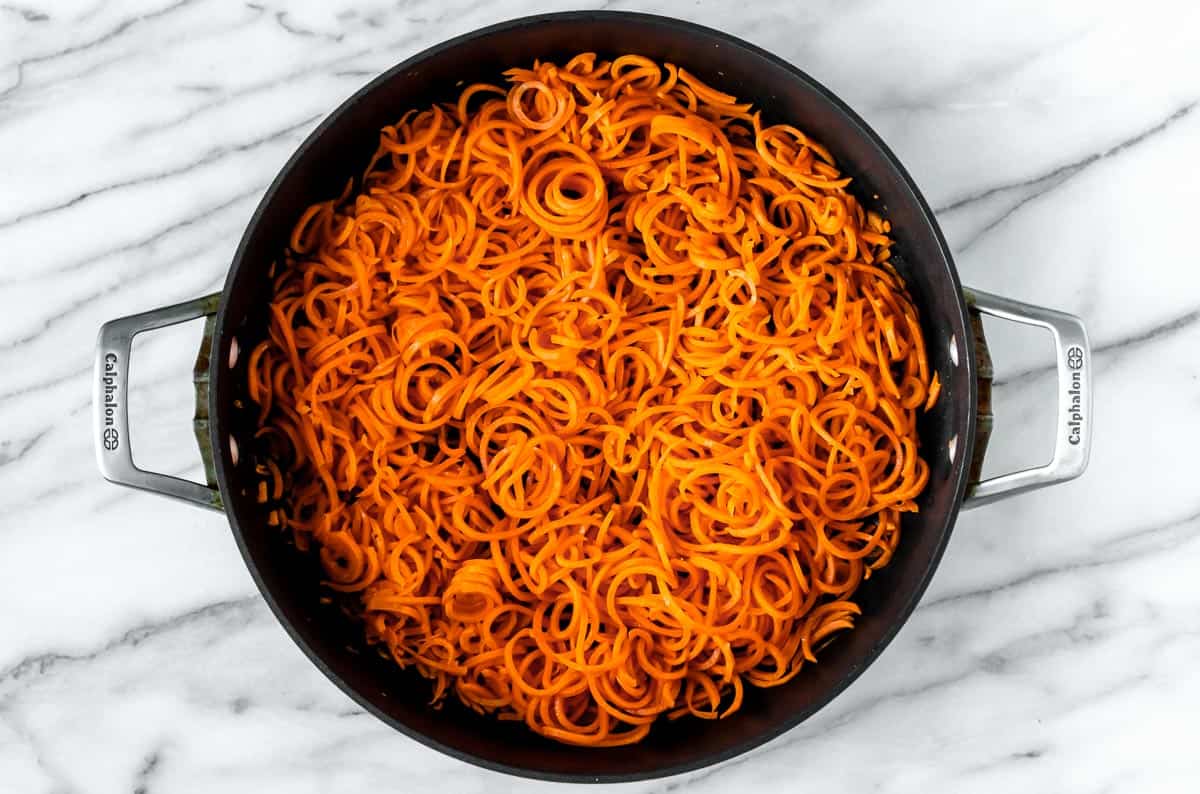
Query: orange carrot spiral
{"points": [[599, 395]]}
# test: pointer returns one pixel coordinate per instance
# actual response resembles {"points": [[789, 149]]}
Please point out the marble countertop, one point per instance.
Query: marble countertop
{"points": [[1058, 648]]}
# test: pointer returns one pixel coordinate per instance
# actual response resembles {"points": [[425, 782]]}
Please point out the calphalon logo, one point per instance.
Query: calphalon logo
{"points": [[1075, 405], [109, 437], [1075, 357]]}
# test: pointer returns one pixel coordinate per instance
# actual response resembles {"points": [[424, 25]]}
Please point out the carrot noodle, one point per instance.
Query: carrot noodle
{"points": [[598, 397]]}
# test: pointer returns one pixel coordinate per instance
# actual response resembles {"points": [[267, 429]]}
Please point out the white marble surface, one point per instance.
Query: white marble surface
{"points": [[1058, 649]]}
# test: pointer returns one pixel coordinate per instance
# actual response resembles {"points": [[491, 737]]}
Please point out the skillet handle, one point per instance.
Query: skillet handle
{"points": [[1073, 439], [111, 402]]}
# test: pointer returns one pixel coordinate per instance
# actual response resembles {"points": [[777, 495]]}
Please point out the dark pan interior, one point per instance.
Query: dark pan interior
{"points": [[341, 147]]}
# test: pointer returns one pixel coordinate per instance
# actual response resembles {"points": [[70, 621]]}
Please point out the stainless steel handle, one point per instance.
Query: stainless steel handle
{"points": [[1073, 441], [111, 402]]}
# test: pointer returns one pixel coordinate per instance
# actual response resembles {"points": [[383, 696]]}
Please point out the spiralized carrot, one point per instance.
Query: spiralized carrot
{"points": [[599, 395]]}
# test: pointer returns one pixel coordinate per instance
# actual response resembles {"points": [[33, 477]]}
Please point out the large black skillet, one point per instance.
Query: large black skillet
{"points": [[952, 435]]}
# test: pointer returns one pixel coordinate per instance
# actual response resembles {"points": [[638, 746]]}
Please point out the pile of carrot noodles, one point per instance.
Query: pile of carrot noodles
{"points": [[598, 395]]}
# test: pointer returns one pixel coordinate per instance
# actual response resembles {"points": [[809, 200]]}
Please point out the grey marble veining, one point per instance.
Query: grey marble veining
{"points": [[1057, 649]]}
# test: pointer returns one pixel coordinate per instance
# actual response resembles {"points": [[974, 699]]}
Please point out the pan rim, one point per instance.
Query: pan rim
{"points": [[959, 472]]}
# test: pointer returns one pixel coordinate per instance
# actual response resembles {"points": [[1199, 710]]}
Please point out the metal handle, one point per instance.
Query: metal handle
{"points": [[1073, 441], [111, 402]]}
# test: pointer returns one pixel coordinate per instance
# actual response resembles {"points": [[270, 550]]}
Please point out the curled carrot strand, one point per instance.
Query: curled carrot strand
{"points": [[598, 399]]}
